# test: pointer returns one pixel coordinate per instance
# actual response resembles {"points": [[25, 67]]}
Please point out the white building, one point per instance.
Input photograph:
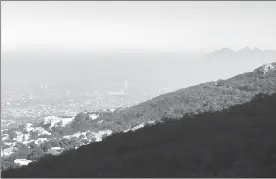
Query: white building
{"points": [[93, 116], [22, 161]]}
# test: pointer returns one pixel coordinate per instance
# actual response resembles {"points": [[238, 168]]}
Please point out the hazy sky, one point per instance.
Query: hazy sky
{"points": [[140, 25]]}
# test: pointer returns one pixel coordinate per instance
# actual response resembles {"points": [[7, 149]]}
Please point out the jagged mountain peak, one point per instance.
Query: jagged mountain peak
{"points": [[255, 49], [247, 49], [224, 51]]}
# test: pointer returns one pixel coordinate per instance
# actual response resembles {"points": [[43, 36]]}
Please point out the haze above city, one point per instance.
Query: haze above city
{"points": [[137, 26], [65, 57]]}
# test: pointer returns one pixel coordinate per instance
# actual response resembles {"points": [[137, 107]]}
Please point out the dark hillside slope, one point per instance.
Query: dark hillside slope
{"points": [[236, 142]]}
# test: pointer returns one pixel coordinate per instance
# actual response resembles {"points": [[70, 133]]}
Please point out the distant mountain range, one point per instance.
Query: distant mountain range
{"points": [[162, 70], [54, 135], [243, 56], [246, 50]]}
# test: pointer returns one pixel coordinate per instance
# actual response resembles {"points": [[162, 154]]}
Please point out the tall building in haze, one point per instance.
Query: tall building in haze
{"points": [[126, 86]]}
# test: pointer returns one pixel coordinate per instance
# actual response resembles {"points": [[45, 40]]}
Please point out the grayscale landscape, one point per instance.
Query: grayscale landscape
{"points": [[123, 79]]}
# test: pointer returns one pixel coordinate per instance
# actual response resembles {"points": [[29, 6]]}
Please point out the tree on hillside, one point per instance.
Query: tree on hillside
{"points": [[46, 146], [36, 153], [55, 143]]}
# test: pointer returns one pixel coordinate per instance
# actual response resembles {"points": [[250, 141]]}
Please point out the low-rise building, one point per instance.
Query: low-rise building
{"points": [[22, 162]]}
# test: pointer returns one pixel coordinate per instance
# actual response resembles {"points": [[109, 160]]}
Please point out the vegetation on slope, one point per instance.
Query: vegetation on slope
{"points": [[236, 142], [211, 96]]}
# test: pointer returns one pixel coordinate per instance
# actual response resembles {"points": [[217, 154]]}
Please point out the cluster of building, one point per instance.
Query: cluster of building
{"points": [[34, 109]]}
